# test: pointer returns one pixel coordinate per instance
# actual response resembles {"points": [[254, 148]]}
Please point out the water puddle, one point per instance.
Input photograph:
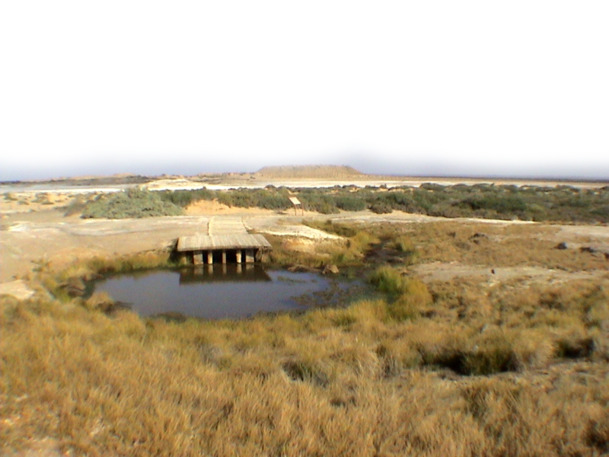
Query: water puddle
{"points": [[225, 291]]}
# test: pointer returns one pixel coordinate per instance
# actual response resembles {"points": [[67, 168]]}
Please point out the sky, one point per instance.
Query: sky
{"points": [[457, 88]]}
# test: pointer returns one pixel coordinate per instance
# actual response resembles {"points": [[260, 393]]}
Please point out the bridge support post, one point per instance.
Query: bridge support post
{"points": [[210, 257], [249, 256], [238, 255], [197, 257], [224, 257]]}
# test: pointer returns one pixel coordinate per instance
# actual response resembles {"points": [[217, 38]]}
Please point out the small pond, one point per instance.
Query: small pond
{"points": [[225, 291]]}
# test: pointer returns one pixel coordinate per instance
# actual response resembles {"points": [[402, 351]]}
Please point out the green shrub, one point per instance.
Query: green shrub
{"points": [[481, 200], [380, 207], [350, 203], [503, 204], [271, 198], [183, 198], [319, 200], [131, 203]]}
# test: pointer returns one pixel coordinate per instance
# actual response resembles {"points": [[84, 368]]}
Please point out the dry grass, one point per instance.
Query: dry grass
{"points": [[61, 281], [438, 369], [492, 245], [348, 251], [351, 381]]}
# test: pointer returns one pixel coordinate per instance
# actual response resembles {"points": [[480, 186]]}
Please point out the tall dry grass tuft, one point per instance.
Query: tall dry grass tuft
{"points": [[414, 298], [388, 280], [597, 434]]}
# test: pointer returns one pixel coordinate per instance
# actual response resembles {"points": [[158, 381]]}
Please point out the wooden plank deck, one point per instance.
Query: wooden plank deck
{"points": [[218, 242]]}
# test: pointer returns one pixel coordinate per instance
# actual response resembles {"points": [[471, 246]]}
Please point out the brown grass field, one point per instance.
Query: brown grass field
{"points": [[500, 348]]}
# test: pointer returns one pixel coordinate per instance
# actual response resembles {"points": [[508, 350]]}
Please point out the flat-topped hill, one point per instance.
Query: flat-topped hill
{"points": [[309, 171]]}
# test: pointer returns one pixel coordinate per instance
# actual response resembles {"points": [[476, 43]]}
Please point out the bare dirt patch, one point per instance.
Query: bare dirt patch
{"points": [[17, 289], [213, 207], [441, 271]]}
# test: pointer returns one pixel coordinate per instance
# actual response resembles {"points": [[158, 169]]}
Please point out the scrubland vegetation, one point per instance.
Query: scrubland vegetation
{"points": [[130, 203], [531, 203], [459, 367]]}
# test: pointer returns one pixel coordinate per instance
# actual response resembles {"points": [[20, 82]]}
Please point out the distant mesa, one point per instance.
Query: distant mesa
{"points": [[309, 171]]}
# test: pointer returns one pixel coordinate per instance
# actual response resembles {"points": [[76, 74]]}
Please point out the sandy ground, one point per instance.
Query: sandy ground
{"points": [[47, 236], [26, 202]]}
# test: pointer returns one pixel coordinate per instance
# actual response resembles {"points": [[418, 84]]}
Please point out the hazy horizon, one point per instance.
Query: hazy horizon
{"points": [[193, 171]]}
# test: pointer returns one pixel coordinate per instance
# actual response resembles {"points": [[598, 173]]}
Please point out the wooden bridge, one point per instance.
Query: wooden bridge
{"points": [[226, 241]]}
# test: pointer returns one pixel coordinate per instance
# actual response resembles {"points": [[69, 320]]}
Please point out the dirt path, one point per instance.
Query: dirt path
{"points": [[226, 225]]}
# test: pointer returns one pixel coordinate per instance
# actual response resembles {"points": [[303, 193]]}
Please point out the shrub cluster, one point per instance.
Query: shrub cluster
{"points": [[562, 203], [183, 198], [130, 203]]}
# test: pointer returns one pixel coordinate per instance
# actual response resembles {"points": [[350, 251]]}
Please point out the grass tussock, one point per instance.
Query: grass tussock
{"points": [[408, 296]]}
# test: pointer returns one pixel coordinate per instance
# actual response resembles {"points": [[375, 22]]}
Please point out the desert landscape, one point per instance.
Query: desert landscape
{"points": [[480, 325], [304, 229]]}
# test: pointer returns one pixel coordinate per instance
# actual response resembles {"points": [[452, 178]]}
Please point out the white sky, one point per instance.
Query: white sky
{"points": [[404, 87]]}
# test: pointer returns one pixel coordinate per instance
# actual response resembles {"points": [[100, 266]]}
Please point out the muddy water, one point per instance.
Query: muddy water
{"points": [[224, 291]]}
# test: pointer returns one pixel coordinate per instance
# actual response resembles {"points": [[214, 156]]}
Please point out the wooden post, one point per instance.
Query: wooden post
{"points": [[224, 257], [210, 257], [249, 256], [197, 257], [238, 255]]}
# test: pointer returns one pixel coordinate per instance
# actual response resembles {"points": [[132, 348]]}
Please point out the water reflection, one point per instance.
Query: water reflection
{"points": [[223, 291], [226, 272]]}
